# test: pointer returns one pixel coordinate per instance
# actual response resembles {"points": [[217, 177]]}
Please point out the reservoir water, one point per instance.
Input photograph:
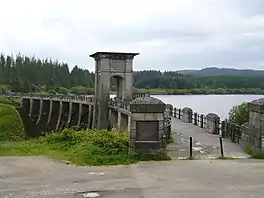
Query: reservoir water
{"points": [[203, 104]]}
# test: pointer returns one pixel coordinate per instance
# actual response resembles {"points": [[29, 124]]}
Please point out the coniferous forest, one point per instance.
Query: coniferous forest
{"points": [[30, 74]]}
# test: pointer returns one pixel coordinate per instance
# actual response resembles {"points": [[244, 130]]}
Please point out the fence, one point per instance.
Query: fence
{"points": [[224, 128], [197, 119]]}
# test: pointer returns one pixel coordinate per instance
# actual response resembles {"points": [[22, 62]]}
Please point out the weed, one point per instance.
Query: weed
{"points": [[225, 158], [190, 158], [253, 154]]}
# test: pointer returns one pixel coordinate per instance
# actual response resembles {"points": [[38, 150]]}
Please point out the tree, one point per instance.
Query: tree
{"points": [[239, 114]]}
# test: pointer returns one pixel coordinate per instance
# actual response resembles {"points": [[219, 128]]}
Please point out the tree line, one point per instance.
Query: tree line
{"points": [[30, 74]]}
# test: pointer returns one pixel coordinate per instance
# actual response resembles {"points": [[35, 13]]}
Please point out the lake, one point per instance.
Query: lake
{"points": [[203, 104]]}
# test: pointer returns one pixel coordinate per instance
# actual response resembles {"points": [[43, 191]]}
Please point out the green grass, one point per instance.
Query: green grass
{"points": [[9, 101], [253, 155], [190, 158], [225, 158], [11, 124], [171, 138], [84, 147]]}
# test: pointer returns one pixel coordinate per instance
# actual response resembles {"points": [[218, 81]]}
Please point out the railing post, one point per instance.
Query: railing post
{"points": [[179, 113], [223, 129], [202, 121], [174, 112], [191, 154], [195, 118], [221, 147]]}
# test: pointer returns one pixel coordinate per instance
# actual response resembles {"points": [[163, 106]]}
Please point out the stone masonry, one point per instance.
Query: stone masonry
{"points": [[252, 132], [212, 123], [147, 124], [187, 114], [107, 65]]}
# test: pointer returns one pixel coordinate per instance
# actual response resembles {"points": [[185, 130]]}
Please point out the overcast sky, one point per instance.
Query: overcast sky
{"points": [[168, 34]]}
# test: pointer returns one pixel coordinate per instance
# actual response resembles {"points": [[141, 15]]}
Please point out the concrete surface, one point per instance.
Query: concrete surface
{"points": [[205, 145], [40, 177]]}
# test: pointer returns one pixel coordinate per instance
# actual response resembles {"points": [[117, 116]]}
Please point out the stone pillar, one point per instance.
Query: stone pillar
{"points": [[169, 108], [79, 114], [109, 64], [50, 110], [255, 126], [252, 132], [30, 106], [40, 111], [129, 123], [187, 114], [212, 123], [59, 116], [147, 124], [69, 114], [119, 120]]}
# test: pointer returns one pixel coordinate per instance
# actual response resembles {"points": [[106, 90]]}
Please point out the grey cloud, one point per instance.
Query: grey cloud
{"points": [[230, 34]]}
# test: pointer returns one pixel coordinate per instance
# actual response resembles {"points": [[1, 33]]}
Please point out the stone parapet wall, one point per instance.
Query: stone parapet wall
{"points": [[252, 132], [250, 137]]}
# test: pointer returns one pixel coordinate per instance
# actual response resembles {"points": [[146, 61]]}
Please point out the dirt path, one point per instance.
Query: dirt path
{"points": [[205, 145], [34, 177]]}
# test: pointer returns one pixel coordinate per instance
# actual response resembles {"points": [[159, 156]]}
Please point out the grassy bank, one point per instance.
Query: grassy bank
{"points": [[206, 91], [8, 101], [85, 147], [11, 125]]}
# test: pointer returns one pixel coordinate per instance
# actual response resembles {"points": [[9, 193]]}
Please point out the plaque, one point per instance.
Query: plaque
{"points": [[147, 130]]}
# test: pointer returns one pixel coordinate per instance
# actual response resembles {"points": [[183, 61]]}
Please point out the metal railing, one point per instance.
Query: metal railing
{"points": [[50, 97], [226, 129]]}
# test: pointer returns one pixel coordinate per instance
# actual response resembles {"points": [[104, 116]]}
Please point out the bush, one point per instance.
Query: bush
{"points": [[239, 114], [11, 125], [83, 147]]}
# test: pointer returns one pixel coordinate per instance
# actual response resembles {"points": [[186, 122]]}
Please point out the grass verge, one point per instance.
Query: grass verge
{"points": [[171, 138], [190, 158], [253, 155], [225, 158], [83, 147]]}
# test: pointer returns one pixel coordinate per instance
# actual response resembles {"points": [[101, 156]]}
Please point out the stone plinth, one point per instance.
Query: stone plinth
{"points": [[256, 114], [147, 124], [252, 133], [212, 123], [250, 136], [187, 114]]}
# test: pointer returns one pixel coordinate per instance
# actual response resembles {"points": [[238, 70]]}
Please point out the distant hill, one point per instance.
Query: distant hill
{"points": [[215, 71]]}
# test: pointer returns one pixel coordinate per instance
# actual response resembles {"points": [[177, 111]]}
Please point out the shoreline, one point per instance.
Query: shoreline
{"points": [[154, 94], [220, 91]]}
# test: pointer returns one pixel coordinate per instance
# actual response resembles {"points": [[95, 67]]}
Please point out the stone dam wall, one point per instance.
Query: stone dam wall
{"points": [[50, 114]]}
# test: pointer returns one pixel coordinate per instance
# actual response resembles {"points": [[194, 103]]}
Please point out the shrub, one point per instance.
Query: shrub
{"points": [[239, 114], [83, 147], [11, 125]]}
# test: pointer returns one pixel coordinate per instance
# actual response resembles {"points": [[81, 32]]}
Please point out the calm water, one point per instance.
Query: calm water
{"points": [[219, 104]]}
